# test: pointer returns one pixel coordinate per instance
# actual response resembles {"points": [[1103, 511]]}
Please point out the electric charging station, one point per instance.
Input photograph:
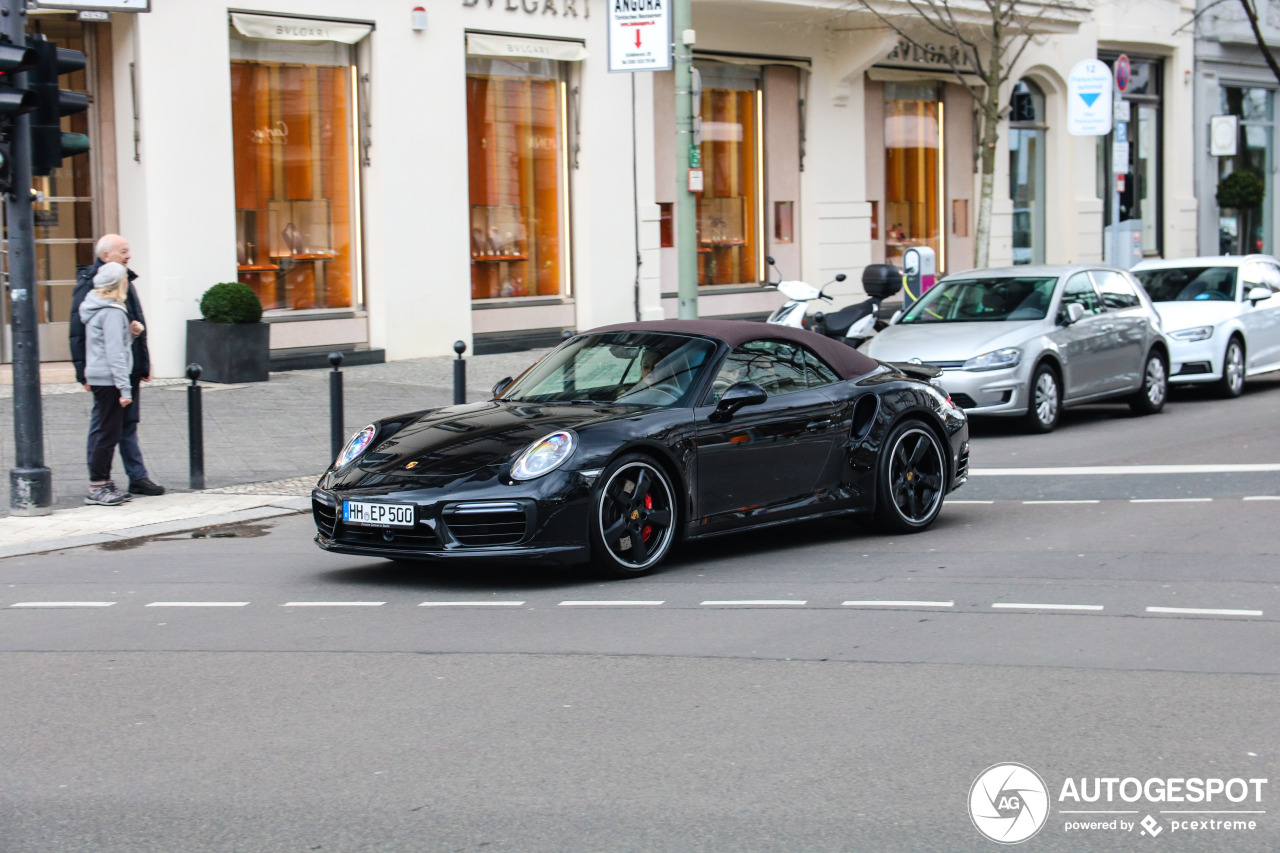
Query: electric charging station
{"points": [[920, 268]]}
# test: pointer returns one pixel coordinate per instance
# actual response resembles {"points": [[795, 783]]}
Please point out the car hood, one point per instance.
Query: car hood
{"points": [[935, 342], [461, 439], [1185, 315]]}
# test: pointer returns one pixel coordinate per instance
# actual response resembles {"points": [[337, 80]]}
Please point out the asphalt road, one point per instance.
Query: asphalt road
{"points": [[820, 687]]}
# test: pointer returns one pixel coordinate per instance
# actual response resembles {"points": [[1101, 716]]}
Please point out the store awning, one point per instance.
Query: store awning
{"points": [[513, 47], [305, 30]]}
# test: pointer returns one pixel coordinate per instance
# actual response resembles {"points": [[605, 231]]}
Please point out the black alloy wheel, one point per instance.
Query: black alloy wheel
{"points": [[1232, 382], [1155, 386], [913, 478], [634, 517], [1044, 406]]}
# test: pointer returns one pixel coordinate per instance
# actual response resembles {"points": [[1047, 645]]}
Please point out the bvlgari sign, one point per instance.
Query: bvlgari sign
{"points": [[568, 8]]}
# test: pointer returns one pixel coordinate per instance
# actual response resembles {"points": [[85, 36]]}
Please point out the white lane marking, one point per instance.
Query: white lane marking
{"points": [[1095, 470], [1023, 606], [1170, 500], [899, 604], [949, 502], [1062, 502], [1262, 498], [1204, 611], [198, 604], [611, 603], [333, 604], [63, 604], [471, 604], [762, 601]]}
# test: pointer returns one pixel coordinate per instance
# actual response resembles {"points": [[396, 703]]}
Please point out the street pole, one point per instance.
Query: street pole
{"points": [[30, 482], [686, 203]]}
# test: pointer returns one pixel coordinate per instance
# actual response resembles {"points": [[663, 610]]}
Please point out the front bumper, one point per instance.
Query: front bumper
{"points": [[543, 520], [987, 392], [1196, 361]]}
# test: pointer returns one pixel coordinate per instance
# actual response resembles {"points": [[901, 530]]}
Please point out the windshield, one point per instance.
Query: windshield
{"points": [[625, 368], [977, 300], [1189, 284]]}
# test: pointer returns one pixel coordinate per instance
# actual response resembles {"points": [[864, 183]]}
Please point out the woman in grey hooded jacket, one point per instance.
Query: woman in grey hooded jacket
{"points": [[108, 363]]}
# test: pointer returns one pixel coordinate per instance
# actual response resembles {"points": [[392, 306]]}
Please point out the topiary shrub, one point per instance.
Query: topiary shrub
{"points": [[230, 302], [1241, 190]]}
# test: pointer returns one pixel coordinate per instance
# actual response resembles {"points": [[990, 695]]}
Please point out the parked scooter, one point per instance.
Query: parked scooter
{"points": [[855, 324]]}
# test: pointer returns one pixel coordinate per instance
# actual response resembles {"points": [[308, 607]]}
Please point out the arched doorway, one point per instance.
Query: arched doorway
{"points": [[1026, 172]]}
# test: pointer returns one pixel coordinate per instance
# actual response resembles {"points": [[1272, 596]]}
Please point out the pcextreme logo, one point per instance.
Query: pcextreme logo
{"points": [[1009, 803]]}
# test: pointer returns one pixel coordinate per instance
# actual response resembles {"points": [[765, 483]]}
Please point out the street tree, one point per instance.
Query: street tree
{"points": [[991, 36]]}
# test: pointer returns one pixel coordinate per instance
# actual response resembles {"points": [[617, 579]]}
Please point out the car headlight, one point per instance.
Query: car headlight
{"points": [[544, 455], [996, 360], [1199, 333], [356, 445]]}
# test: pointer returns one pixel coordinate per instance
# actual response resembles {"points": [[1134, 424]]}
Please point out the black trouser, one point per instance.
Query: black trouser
{"points": [[109, 416]]}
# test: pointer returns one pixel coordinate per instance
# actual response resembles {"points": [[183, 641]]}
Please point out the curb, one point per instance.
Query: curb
{"points": [[272, 507]]}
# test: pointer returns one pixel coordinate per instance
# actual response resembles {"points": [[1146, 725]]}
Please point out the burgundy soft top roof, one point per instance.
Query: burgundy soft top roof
{"points": [[844, 359]]}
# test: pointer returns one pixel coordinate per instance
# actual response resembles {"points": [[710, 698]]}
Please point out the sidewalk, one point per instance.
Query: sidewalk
{"points": [[265, 445]]}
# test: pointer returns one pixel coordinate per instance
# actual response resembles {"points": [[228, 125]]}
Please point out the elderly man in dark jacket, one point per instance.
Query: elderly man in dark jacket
{"points": [[113, 247]]}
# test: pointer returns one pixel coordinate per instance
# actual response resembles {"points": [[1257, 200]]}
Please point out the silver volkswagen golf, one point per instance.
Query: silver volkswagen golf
{"points": [[1027, 341]]}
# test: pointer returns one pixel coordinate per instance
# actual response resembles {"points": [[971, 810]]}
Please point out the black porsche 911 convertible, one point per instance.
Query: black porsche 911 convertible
{"points": [[626, 439]]}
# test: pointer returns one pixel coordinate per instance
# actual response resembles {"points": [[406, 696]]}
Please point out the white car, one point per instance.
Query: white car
{"points": [[1221, 316]]}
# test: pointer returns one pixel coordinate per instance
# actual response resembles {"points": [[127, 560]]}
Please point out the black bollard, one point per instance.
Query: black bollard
{"points": [[459, 374], [337, 436], [195, 427]]}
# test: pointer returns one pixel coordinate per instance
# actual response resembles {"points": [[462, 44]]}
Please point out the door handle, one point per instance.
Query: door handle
{"points": [[1107, 327], [815, 426]]}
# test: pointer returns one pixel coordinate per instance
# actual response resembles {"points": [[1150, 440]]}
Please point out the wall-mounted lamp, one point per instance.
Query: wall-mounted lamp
{"points": [[418, 18]]}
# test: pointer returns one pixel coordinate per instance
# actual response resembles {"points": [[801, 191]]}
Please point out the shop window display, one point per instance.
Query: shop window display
{"points": [[516, 173], [294, 183], [728, 207], [912, 140]]}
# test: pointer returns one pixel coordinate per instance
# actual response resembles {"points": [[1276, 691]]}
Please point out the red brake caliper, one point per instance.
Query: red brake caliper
{"points": [[648, 504]]}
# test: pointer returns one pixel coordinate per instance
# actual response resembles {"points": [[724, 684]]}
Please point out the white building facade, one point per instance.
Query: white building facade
{"points": [[484, 178]]}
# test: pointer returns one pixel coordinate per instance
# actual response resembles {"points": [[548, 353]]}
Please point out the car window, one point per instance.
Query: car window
{"points": [[1271, 276], [817, 371], [1080, 290], [1117, 291], [1188, 284], [995, 299], [776, 366]]}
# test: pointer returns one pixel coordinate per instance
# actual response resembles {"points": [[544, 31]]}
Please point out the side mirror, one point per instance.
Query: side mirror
{"points": [[1072, 314], [735, 397], [840, 276], [500, 386], [1257, 294]]}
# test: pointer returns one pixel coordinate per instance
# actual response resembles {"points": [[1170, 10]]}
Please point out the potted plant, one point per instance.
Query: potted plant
{"points": [[231, 344], [1242, 191]]}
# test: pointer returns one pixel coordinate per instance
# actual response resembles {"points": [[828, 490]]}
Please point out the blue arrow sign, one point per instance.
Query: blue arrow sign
{"points": [[1090, 97]]}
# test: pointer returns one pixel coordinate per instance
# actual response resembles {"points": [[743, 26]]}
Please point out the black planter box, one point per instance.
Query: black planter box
{"points": [[229, 353]]}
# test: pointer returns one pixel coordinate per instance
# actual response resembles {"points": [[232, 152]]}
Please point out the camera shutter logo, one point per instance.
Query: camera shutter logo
{"points": [[1008, 803]]}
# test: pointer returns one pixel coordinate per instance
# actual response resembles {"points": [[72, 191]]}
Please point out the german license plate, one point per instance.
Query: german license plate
{"points": [[377, 515]]}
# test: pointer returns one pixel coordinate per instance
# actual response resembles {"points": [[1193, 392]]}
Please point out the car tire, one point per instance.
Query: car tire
{"points": [[634, 517], [1231, 384], [1044, 406], [1151, 397], [911, 478]]}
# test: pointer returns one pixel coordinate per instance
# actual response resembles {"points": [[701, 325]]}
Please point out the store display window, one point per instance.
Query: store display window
{"points": [[516, 115], [1242, 230], [296, 182], [913, 168], [729, 207]]}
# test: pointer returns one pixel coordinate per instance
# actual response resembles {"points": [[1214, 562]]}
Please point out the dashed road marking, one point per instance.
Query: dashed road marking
{"points": [[63, 604], [1009, 605], [952, 502], [198, 604], [1096, 470], [472, 604], [1262, 498], [611, 603], [333, 604], [899, 604], [1203, 611], [1063, 502], [1170, 500], [754, 602]]}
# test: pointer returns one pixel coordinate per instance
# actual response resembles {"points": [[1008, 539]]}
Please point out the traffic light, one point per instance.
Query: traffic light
{"points": [[13, 101], [48, 142]]}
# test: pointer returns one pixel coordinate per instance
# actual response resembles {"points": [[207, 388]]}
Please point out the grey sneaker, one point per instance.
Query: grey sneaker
{"points": [[105, 495]]}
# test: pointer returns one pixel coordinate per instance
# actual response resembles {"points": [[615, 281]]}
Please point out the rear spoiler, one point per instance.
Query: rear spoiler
{"points": [[925, 372]]}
